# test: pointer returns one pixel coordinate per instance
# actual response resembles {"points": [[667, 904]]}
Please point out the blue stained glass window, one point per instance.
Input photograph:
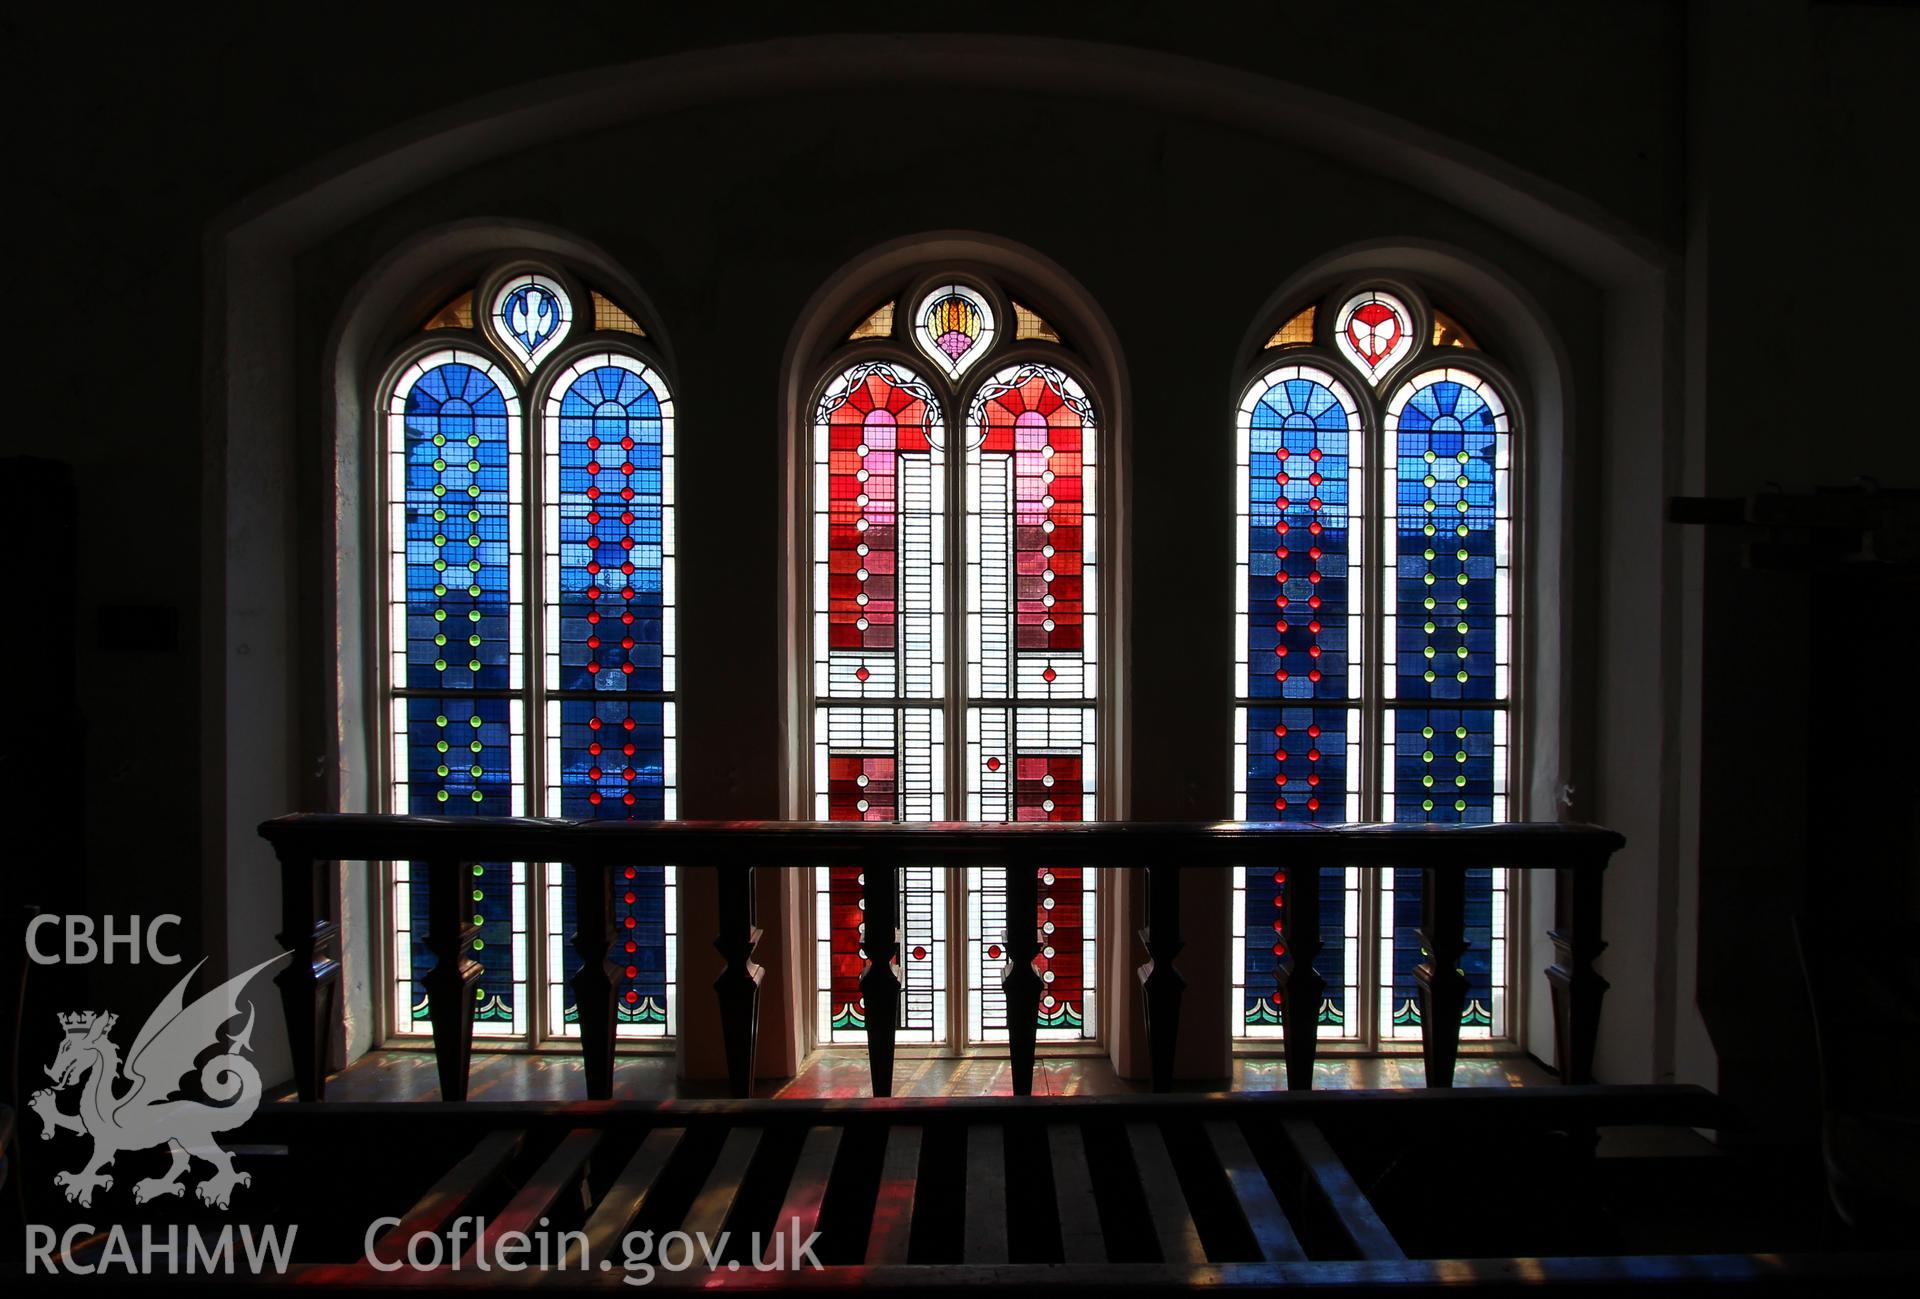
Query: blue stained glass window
{"points": [[611, 668]]}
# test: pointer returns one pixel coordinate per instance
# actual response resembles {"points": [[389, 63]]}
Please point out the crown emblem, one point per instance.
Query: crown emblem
{"points": [[80, 1023]]}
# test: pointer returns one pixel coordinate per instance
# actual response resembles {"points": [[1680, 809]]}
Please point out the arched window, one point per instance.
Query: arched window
{"points": [[1375, 590], [529, 529], [955, 642]]}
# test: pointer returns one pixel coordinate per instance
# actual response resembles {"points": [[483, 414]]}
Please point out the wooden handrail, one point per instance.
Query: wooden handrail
{"points": [[309, 846]]}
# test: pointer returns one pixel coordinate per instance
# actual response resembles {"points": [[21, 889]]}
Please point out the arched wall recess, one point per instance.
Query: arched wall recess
{"points": [[254, 700]]}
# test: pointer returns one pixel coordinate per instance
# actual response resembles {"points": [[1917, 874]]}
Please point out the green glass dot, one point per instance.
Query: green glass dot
{"points": [[1429, 554], [479, 944], [1460, 805], [478, 895], [439, 489], [1462, 603], [1427, 732], [474, 722], [473, 566], [1460, 506], [474, 641], [473, 516], [473, 466], [439, 589], [439, 615], [1429, 629], [439, 516], [1463, 457], [476, 796], [442, 746], [440, 638], [473, 615], [441, 720], [1426, 805], [1461, 579], [1428, 529], [1427, 756], [1460, 732], [1428, 481], [476, 746], [473, 439], [1428, 579], [473, 665], [1461, 652], [439, 538], [479, 994], [441, 795], [439, 565], [439, 665], [474, 589], [1461, 627], [442, 770], [476, 771], [1428, 651], [1460, 781], [473, 490], [1429, 674], [1427, 506], [1461, 756], [1462, 529], [1461, 481], [1461, 554], [1462, 678], [1431, 457], [474, 540], [1426, 780], [479, 870], [439, 465]]}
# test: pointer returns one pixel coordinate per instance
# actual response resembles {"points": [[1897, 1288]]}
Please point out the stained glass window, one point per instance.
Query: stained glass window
{"points": [[1010, 725], [596, 612], [1321, 734], [1374, 331]]}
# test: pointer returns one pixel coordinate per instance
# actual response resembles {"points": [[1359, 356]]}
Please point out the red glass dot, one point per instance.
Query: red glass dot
{"points": [[1280, 528], [593, 773], [1048, 675], [993, 764], [594, 798], [626, 617], [1314, 478], [1282, 502], [593, 517], [592, 668], [1314, 578], [593, 723], [1280, 730], [1313, 552], [629, 799], [1314, 626], [632, 996], [1313, 805], [1281, 478], [627, 668], [919, 953], [1279, 877], [633, 971], [593, 443], [628, 723], [1314, 503], [626, 642], [593, 493], [1280, 804], [628, 773], [1280, 551], [993, 952], [1279, 755], [1314, 454], [631, 872], [629, 749], [1313, 778], [626, 443], [1276, 999], [627, 468], [1314, 650], [592, 568], [632, 946], [1313, 674], [1280, 674], [1280, 625], [1313, 755], [631, 923], [593, 466], [627, 568], [1279, 949], [593, 642], [626, 543], [593, 618], [1280, 601], [1313, 602], [626, 593], [1280, 650], [1314, 527], [594, 748], [626, 517], [1280, 779], [1278, 926], [631, 897], [861, 674], [1314, 730], [593, 593]]}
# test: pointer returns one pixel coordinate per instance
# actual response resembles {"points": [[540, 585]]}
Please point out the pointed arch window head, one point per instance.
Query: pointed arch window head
{"points": [[1374, 331], [531, 315], [954, 326]]}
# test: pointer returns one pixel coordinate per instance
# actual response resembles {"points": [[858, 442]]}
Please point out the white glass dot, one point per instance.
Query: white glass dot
{"points": [[861, 476], [861, 450], [1047, 624], [862, 805], [862, 575], [861, 598], [1048, 953], [1047, 977], [1047, 576], [1046, 475], [1047, 928], [1047, 551], [861, 623], [1046, 502], [861, 781], [860, 549], [1048, 877], [1047, 526], [1047, 805], [861, 499], [1047, 601], [1047, 451], [1048, 782], [860, 525]]}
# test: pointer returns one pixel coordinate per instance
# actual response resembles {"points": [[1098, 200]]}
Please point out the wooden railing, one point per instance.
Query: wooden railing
{"points": [[310, 846]]}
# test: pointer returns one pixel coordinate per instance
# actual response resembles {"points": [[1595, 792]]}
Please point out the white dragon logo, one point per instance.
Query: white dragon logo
{"points": [[149, 1112]]}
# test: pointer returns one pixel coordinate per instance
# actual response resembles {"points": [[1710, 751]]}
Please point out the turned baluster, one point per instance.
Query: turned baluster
{"points": [[1442, 983], [1301, 987], [451, 929], [1019, 981], [310, 984], [880, 980], [1159, 980], [594, 986], [738, 985]]}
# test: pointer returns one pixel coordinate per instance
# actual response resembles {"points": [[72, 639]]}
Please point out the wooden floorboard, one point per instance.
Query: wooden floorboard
{"points": [[1166, 1203], [448, 1197], [559, 1173], [715, 1201], [628, 1195], [1342, 1194], [1251, 1191], [799, 1212], [984, 1235], [892, 1230], [1081, 1240]]}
